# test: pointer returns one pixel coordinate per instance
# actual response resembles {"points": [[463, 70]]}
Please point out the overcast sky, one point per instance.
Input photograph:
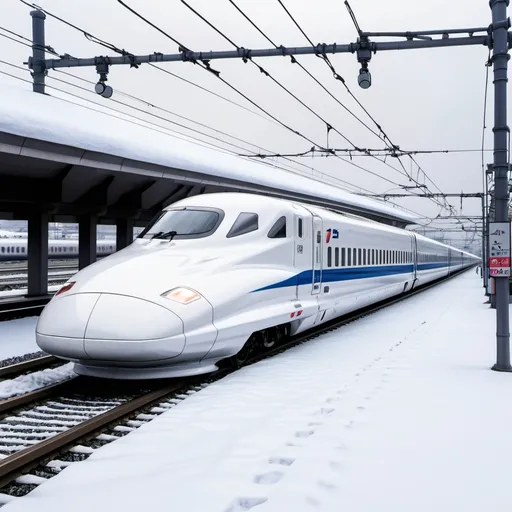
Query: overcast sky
{"points": [[424, 99]]}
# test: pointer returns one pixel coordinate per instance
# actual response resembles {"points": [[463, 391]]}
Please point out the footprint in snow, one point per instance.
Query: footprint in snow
{"points": [[304, 433], [282, 461], [272, 477], [243, 504]]}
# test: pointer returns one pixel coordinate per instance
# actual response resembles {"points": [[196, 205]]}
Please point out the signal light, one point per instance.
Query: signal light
{"points": [[182, 295], [66, 288]]}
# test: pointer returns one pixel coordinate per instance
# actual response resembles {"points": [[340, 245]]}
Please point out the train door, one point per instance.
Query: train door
{"points": [[414, 259], [303, 242], [317, 255]]}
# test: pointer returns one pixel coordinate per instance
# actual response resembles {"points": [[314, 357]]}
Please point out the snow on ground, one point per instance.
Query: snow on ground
{"points": [[18, 337], [25, 383], [395, 412]]}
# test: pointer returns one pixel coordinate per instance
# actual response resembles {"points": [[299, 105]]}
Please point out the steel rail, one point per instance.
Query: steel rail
{"points": [[30, 364], [32, 397]]}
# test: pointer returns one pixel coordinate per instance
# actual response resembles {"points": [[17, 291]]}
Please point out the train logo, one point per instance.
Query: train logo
{"points": [[334, 232]]}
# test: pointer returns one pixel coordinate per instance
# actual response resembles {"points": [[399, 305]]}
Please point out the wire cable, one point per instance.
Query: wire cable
{"points": [[342, 80]]}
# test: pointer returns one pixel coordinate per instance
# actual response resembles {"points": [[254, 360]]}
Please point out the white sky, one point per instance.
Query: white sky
{"points": [[424, 99]]}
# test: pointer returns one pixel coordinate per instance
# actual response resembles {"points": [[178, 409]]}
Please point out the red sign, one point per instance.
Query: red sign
{"points": [[499, 262]]}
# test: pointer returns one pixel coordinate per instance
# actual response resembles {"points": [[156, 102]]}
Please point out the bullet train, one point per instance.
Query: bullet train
{"points": [[12, 249], [217, 276]]}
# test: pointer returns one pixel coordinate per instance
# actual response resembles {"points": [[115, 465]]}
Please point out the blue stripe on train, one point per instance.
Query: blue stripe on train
{"points": [[331, 275]]}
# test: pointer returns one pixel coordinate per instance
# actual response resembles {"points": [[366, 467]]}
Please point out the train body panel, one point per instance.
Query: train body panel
{"points": [[213, 270]]}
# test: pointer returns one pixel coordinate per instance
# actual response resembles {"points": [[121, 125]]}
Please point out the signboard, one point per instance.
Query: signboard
{"points": [[499, 249]]}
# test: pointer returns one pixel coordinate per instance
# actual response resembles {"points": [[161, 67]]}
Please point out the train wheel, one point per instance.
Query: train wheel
{"points": [[268, 338], [239, 359]]}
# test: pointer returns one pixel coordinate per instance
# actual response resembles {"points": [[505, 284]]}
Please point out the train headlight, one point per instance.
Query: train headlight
{"points": [[66, 288], [182, 295]]}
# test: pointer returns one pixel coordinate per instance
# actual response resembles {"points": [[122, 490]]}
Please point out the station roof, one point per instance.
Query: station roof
{"points": [[85, 161]]}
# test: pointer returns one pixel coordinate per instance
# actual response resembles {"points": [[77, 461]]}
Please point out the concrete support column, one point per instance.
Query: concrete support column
{"points": [[124, 233], [37, 258], [86, 241]]}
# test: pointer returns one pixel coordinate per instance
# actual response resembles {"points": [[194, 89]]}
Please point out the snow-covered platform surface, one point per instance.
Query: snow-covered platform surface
{"points": [[398, 411]]}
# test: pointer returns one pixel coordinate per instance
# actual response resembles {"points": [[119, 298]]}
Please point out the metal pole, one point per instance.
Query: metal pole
{"points": [[500, 25], [38, 51], [484, 252]]}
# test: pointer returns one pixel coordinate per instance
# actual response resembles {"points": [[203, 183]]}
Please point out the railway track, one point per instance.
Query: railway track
{"points": [[12, 281], [33, 364], [36, 428]]}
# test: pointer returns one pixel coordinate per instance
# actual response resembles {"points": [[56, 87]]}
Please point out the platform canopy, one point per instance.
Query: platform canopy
{"points": [[72, 160]]}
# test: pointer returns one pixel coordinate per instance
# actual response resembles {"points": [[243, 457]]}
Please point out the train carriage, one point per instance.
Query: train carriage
{"points": [[218, 273]]}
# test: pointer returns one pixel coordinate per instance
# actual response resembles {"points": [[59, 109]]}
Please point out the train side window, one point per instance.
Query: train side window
{"points": [[354, 257], [349, 257], [299, 227], [337, 257], [246, 222], [329, 256], [343, 257], [23, 250], [373, 256], [3, 249], [364, 256], [278, 230]]}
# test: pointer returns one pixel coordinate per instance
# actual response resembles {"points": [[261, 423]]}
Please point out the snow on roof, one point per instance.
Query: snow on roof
{"points": [[28, 114]]}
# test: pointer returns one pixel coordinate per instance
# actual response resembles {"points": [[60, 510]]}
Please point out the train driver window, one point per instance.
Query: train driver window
{"points": [[278, 230], [245, 223]]}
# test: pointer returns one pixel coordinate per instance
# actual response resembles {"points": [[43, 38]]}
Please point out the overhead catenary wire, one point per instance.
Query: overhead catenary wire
{"points": [[328, 125], [97, 40], [217, 74], [337, 76], [239, 92], [154, 126], [113, 47], [94, 39], [321, 151]]}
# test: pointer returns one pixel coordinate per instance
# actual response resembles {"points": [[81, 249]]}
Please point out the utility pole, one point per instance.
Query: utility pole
{"points": [[38, 51], [500, 26], [495, 36]]}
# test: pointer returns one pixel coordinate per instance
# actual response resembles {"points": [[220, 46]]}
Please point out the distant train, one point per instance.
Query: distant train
{"points": [[16, 248]]}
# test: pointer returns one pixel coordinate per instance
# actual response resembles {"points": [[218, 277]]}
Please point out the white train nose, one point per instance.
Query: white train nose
{"points": [[104, 327], [128, 329], [61, 327]]}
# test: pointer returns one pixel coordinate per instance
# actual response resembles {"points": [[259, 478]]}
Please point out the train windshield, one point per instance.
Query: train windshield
{"points": [[184, 223]]}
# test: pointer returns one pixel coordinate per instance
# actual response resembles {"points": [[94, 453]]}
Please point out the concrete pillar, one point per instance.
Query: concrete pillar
{"points": [[37, 257], [124, 233], [86, 241]]}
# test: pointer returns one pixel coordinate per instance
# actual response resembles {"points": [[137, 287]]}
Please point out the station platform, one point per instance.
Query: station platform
{"points": [[397, 411]]}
